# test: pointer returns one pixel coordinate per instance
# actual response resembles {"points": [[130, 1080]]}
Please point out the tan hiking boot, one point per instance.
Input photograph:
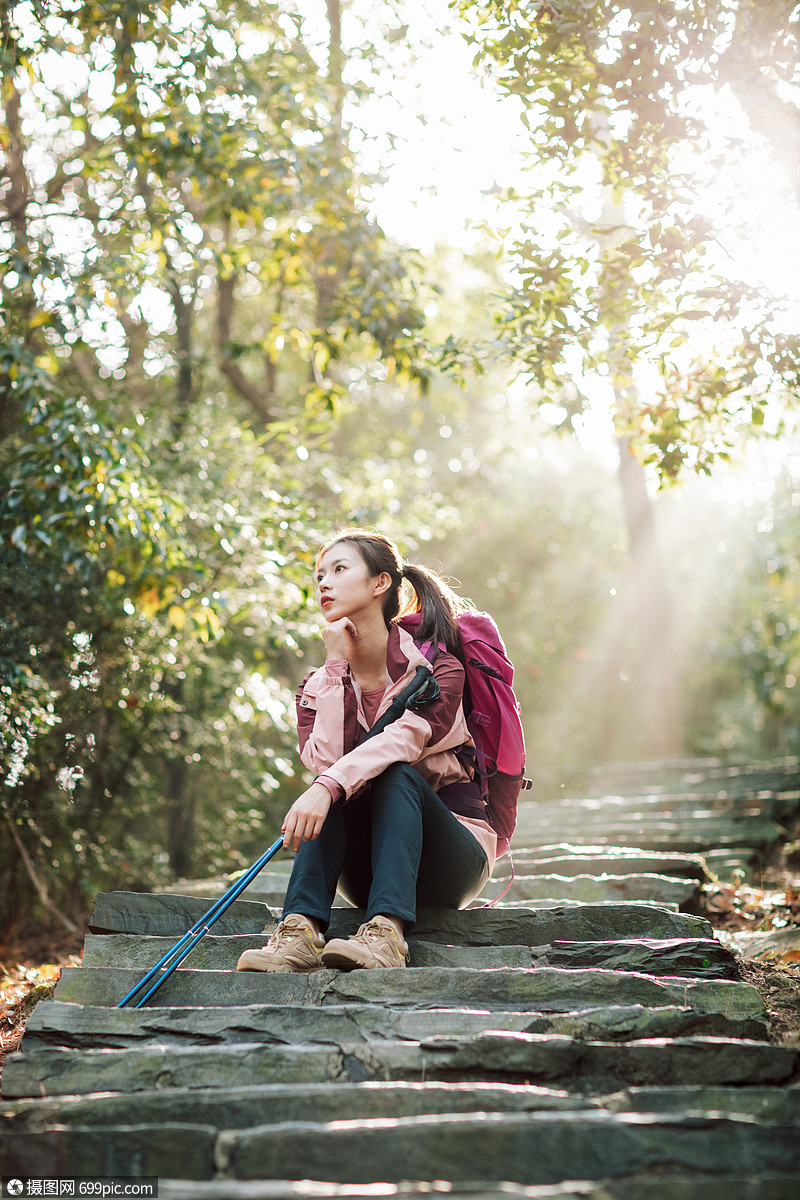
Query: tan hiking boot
{"points": [[377, 944], [294, 946]]}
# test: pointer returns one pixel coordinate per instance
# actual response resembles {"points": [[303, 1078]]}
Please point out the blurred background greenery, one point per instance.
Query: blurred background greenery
{"points": [[579, 407]]}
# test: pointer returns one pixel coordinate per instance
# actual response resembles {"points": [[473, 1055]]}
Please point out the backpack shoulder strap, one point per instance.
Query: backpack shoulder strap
{"points": [[431, 650]]}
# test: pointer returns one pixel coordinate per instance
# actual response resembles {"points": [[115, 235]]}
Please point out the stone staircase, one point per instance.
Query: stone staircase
{"points": [[585, 1037]]}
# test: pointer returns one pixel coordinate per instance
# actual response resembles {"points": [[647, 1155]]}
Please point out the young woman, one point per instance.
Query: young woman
{"points": [[395, 820]]}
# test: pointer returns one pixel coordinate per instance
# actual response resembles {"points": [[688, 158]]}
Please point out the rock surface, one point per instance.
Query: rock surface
{"points": [[583, 1038]]}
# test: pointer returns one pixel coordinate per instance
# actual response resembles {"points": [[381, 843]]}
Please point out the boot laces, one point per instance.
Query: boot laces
{"points": [[285, 934], [373, 930]]}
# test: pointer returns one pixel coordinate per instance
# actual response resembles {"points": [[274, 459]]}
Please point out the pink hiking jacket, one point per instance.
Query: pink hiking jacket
{"points": [[330, 720]]}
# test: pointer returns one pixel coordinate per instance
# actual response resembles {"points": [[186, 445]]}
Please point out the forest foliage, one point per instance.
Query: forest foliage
{"points": [[645, 121], [211, 354]]}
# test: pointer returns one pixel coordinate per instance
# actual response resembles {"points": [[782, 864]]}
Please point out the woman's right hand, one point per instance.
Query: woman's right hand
{"points": [[305, 818], [340, 638]]}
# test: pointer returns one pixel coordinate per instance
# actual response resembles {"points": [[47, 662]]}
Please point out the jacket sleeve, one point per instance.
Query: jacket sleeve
{"points": [[437, 726], [327, 716]]}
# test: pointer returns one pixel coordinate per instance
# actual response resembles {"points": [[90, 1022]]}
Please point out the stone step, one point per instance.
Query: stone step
{"points": [[706, 832], [689, 958], [566, 859], [534, 1147], [138, 1151], [563, 858], [536, 989], [544, 1059], [689, 772], [171, 916], [567, 879], [657, 862], [659, 800], [684, 838], [222, 953], [656, 805], [767, 1105], [630, 1187], [696, 1186], [269, 887], [57, 1023], [603, 888], [719, 795], [555, 889], [503, 904], [274, 877], [690, 835], [686, 958], [722, 864], [213, 887], [285, 1189], [250, 1189], [754, 826], [649, 809], [682, 767], [250, 1105]]}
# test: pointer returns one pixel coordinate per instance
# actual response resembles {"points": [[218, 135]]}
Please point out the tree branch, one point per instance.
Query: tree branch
{"points": [[41, 890], [249, 391]]}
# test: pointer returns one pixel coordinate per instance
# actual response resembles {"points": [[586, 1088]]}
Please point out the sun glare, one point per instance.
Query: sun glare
{"points": [[456, 144], [443, 139]]}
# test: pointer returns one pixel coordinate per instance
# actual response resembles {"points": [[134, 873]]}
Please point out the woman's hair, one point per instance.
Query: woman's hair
{"points": [[437, 603]]}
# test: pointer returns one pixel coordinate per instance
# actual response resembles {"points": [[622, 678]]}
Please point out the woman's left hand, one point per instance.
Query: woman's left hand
{"points": [[304, 820]]}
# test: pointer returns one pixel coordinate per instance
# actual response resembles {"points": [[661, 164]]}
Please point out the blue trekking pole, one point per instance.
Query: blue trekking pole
{"points": [[198, 930]]}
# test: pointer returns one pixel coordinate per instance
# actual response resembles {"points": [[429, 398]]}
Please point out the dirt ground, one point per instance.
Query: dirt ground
{"points": [[762, 925], [30, 967]]}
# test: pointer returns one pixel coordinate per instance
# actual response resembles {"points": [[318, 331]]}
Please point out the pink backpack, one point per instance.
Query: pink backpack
{"points": [[493, 718]]}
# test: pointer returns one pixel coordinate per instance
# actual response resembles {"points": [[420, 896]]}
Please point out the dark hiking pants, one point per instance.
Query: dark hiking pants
{"points": [[396, 846]]}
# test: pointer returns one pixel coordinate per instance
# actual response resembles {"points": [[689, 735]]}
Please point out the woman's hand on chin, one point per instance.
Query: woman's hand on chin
{"points": [[340, 638], [304, 820]]}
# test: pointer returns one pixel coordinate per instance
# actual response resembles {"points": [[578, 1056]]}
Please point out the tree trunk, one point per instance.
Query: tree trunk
{"points": [[644, 646], [330, 266], [180, 817], [336, 63], [649, 652], [184, 384], [179, 797], [16, 195]]}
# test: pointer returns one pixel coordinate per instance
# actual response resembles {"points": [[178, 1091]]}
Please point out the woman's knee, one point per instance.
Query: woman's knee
{"points": [[397, 784], [399, 773]]}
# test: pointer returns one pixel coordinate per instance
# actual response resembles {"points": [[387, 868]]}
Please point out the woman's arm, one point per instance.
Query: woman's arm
{"points": [[304, 820], [439, 725], [327, 716]]}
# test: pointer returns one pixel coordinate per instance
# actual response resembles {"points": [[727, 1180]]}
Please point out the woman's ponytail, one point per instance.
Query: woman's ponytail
{"points": [[438, 605]]}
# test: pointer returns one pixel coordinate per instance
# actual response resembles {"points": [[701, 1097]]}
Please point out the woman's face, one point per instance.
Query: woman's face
{"points": [[344, 586]]}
